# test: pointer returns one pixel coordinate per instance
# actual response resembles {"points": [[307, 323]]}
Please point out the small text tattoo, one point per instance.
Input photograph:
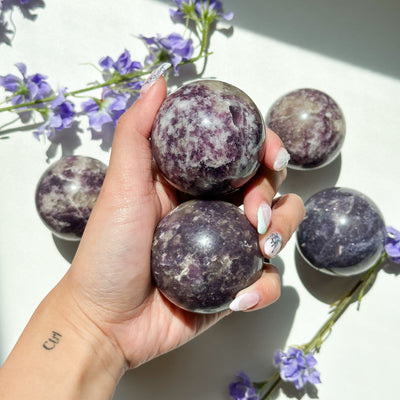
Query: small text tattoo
{"points": [[52, 341]]}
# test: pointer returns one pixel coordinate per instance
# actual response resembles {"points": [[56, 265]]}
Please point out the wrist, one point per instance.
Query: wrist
{"points": [[61, 354]]}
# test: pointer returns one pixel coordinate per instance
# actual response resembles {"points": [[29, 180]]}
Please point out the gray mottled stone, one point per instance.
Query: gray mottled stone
{"points": [[208, 138], [203, 254], [66, 194], [311, 126], [343, 232]]}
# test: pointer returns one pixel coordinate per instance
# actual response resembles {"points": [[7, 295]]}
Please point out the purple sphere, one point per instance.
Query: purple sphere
{"points": [[343, 232], [208, 138], [66, 194], [311, 125], [203, 254]]}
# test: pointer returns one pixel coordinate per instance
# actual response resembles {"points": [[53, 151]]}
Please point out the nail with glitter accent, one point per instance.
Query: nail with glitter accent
{"points": [[281, 160], [244, 302], [273, 245], [263, 217], [152, 78]]}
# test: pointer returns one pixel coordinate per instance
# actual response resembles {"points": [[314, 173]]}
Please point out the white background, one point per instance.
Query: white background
{"points": [[348, 49]]}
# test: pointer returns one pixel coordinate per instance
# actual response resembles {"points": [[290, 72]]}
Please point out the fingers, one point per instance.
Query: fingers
{"points": [[265, 291], [130, 169], [276, 157]]}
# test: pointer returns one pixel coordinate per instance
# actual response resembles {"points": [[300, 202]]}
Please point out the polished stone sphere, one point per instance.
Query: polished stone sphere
{"points": [[343, 232], [203, 254], [311, 125], [66, 194], [208, 138]]}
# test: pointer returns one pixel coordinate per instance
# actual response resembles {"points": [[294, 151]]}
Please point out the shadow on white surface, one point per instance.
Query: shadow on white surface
{"points": [[324, 287], [242, 341], [67, 248], [308, 182], [360, 32]]}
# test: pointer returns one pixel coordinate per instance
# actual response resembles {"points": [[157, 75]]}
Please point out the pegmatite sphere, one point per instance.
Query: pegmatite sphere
{"points": [[343, 232], [208, 138], [66, 194], [311, 125], [203, 254]]}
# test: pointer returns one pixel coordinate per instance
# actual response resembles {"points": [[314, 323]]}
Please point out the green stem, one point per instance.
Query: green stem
{"points": [[316, 342]]}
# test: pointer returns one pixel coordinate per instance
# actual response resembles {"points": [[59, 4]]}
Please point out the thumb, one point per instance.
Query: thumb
{"points": [[129, 170]]}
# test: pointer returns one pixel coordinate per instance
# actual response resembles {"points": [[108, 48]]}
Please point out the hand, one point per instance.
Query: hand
{"points": [[110, 275], [106, 315]]}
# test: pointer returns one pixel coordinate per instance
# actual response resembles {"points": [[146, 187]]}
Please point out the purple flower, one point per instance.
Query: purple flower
{"points": [[59, 115], [173, 48], [27, 88], [123, 65], [107, 110], [186, 7], [242, 388], [392, 245], [296, 367]]}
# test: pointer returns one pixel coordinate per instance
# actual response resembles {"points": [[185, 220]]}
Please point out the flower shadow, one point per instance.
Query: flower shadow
{"points": [[8, 7], [311, 391], [67, 139], [241, 341]]}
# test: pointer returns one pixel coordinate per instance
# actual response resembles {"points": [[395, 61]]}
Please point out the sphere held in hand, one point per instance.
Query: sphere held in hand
{"points": [[311, 125], [203, 254], [208, 138], [343, 232], [66, 194]]}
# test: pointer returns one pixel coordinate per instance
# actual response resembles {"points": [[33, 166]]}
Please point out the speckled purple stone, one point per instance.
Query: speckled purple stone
{"points": [[203, 254], [208, 138], [343, 232], [311, 126], [66, 194]]}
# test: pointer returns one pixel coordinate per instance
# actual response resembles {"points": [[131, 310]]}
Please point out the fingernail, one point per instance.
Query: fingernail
{"points": [[263, 217], [281, 160], [244, 302], [273, 245], [152, 78]]}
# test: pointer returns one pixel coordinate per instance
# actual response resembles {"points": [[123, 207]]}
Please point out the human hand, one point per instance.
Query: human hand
{"points": [[110, 278]]}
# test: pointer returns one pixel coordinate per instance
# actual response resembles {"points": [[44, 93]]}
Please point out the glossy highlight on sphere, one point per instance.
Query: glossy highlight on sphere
{"points": [[343, 232], [66, 194], [208, 138], [203, 254], [311, 125]]}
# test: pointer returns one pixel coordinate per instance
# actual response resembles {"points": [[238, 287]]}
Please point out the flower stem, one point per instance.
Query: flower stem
{"points": [[340, 307]]}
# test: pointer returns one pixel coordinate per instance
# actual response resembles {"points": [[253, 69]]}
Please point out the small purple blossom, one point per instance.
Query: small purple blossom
{"points": [[173, 48], [107, 110], [185, 7], [59, 115], [28, 88], [296, 367], [123, 65], [242, 388], [392, 245]]}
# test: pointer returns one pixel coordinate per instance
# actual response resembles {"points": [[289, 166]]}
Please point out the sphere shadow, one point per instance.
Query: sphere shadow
{"points": [[67, 248], [324, 287], [308, 182], [241, 341]]}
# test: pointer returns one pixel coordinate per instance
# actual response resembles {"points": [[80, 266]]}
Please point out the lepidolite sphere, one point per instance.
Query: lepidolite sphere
{"points": [[208, 138], [203, 254], [66, 194], [343, 232], [311, 125]]}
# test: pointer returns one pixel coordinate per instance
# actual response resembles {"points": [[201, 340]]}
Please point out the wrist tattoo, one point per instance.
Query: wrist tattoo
{"points": [[52, 341]]}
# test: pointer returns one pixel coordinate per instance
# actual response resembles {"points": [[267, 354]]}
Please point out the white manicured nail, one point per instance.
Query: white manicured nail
{"points": [[152, 78], [273, 245], [263, 218], [281, 160], [244, 302]]}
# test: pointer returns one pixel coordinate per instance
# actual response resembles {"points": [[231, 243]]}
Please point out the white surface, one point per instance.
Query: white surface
{"points": [[349, 51]]}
